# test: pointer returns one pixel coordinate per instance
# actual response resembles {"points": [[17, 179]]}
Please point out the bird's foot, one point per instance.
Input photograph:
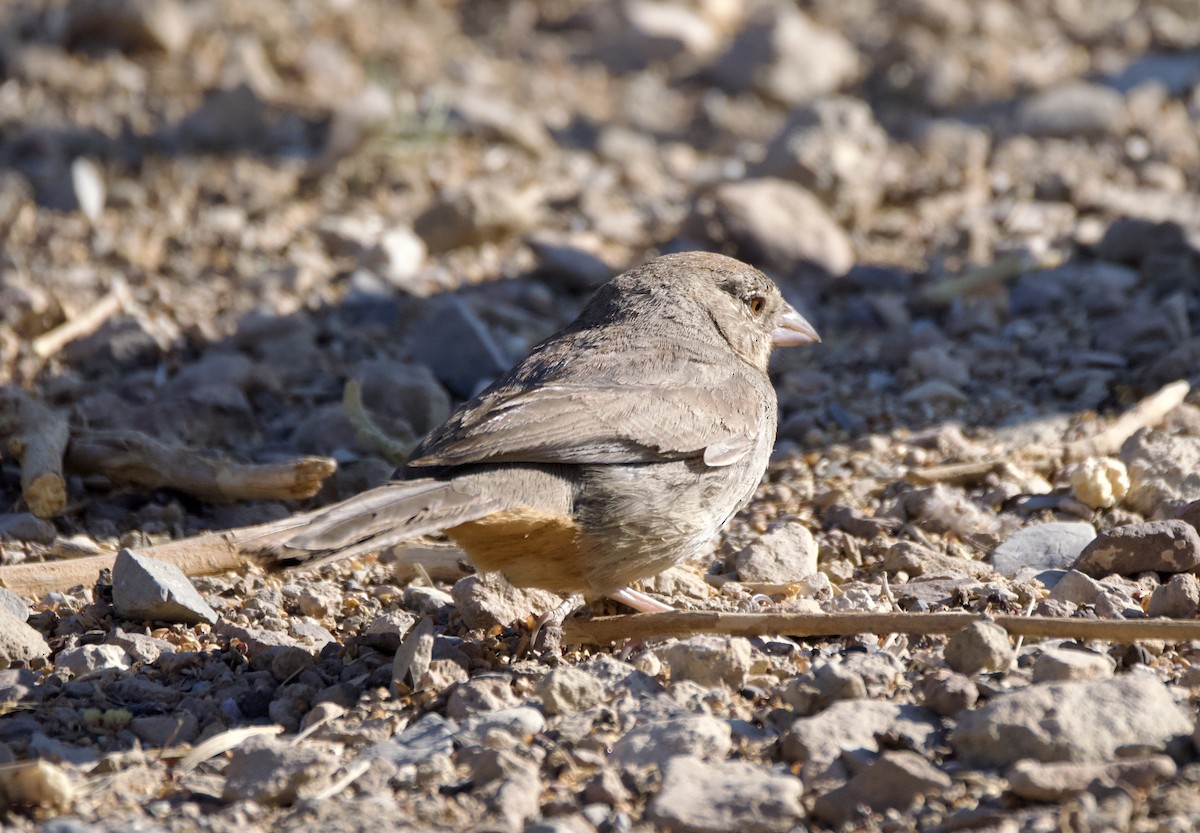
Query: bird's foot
{"points": [[548, 630], [638, 600]]}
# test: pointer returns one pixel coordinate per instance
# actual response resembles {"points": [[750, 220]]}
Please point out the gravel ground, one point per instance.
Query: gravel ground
{"points": [[989, 211]]}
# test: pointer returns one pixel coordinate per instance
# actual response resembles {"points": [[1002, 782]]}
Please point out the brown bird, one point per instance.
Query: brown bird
{"points": [[618, 447]]}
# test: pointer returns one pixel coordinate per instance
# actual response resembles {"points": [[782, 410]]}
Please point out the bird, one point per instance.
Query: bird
{"points": [[618, 447]]}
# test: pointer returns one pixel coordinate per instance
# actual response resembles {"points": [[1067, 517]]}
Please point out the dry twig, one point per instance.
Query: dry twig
{"points": [[199, 556], [135, 458], [84, 324], [1145, 414], [1148, 412], [393, 450], [687, 623], [999, 271], [38, 439]]}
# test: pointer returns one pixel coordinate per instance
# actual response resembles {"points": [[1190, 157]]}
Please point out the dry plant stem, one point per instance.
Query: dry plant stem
{"points": [[84, 324], [39, 438], [1001, 270], [1148, 412], [686, 623], [394, 451], [135, 458], [199, 556], [1145, 414]]}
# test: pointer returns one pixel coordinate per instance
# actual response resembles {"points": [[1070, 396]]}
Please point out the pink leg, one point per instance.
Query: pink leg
{"points": [[638, 601]]}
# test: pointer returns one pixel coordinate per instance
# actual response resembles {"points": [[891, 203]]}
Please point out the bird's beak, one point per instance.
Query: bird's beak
{"points": [[792, 330]]}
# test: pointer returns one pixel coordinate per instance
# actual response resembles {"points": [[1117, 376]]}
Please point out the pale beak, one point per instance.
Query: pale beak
{"points": [[792, 330]]}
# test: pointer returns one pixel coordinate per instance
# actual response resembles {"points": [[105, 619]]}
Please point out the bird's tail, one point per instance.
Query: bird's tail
{"points": [[372, 520]]}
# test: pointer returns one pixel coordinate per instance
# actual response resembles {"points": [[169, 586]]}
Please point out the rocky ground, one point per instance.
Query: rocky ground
{"points": [[215, 214]]}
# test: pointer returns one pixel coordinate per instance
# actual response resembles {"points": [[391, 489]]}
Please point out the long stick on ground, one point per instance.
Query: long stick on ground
{"points": [[203, 555], [135, 458], [687, 623]]}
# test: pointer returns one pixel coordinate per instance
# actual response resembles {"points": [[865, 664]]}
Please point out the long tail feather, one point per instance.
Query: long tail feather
{"points": [[373, 520]]}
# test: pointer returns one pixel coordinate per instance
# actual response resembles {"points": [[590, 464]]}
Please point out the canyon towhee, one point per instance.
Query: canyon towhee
{"points": [[618, 447]]}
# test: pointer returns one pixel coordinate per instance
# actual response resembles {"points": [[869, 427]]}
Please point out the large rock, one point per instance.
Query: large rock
{"points": [[144, 588], [893, 781], [701, 797], [699, 737], [1049, 546], [1164, 471], [834, 148], [710, 660], [1158, 546], [787, 553], [776, 224], [18, 641], [1082, 722], [456, 345], [981, 647], [853, 726], [784, 56], [487, 600], [273, 772]]}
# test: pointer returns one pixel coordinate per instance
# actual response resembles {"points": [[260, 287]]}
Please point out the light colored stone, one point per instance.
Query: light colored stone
{"points": [[818, 742], [702, 797], [18, 641], [569, 689], [1080, 722], [1164, 471], [274, 772], [655, 743], [1037, 781], [981, 647], [894, 781], [710, 660], [92, 659], [836, 149], [487, 600], [786, 553], [144, 588], [777, 224], [1048, 546], [1100, 483], [786, 57], [1179, 598], [1074, 109], [1060, 665]]}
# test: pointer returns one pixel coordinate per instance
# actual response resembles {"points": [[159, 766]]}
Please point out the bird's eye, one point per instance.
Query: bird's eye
{"points": [[757, 304]]}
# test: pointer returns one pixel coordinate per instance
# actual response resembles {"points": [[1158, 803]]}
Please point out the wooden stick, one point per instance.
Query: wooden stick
{"points": [[1148, 412], [83, 324], [999, 271], [135, 458], [203, 555], [40, 436], [1145, 414], [609, 629]]}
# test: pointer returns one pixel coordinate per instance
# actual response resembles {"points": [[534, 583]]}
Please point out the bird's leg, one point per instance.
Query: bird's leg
{"points": [[638, 601], [547, 631]]}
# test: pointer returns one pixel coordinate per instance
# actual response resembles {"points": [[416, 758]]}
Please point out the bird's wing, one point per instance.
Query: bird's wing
{"points": [[641, 404]]}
